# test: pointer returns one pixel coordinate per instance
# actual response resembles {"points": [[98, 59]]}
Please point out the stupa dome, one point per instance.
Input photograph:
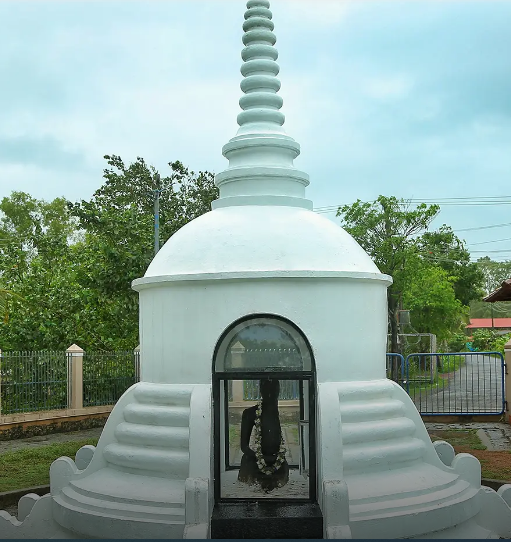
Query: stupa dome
{"points": [[262, 224], [260, 239]]}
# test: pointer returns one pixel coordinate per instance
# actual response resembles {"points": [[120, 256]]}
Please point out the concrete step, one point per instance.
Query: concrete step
{"points": [[368, 431], [171, 416], [171, 462], [382, 454], [160, 394], [152, 435]]}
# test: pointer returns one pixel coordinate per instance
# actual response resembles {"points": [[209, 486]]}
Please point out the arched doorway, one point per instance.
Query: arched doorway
{"points": [[254, 352]]}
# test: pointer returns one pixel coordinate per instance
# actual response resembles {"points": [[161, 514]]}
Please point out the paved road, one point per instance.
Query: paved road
{"points": [[475, 387]]}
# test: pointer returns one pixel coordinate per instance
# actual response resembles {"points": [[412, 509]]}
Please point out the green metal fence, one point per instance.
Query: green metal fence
{"points": [[33, 381], [107, 375], [289, 389]]}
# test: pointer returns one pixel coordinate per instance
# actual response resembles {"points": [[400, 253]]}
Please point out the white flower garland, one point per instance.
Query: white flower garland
{"points": [[261, 463]]}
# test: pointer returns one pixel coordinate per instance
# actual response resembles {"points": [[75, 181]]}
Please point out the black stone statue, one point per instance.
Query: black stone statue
{"points": [[266, 465]]}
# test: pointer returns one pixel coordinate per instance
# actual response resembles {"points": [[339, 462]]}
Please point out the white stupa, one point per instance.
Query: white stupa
{"points": [[261, 265]]}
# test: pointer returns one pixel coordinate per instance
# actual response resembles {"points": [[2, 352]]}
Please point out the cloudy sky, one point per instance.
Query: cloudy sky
{"points": [[405, 98]]}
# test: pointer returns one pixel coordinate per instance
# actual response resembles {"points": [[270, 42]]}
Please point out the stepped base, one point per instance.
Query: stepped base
{"points": [[397, 484], [115, 504], [266, 520]]}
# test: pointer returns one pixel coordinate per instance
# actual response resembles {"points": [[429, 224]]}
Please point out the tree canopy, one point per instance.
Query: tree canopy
{"points": [[443, 248], [70, 265], [431, 270], [494, 273]]}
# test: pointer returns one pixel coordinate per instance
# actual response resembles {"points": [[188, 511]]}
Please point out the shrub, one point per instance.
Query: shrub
{"points": [[499, 343], [457, 342], [484, 339]]}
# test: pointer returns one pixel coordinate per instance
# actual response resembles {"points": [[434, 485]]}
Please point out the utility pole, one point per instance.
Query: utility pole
{"points": [[157, 192]]}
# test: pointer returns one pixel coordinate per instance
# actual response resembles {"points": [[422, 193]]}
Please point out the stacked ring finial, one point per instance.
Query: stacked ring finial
{"points": [[260, 85], [261, 154]]}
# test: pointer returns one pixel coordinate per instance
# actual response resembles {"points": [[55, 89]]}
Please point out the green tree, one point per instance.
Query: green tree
{"points": [[387, 230], [68, 267], [185, 195], [446, 250], [430, 296], [5, 297], [34, 256], [483, 309], [118, 241], [494, 273], [31, 228]]}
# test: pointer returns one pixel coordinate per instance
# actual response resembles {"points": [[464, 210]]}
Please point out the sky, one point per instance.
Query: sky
{"points": [[407, 98]]}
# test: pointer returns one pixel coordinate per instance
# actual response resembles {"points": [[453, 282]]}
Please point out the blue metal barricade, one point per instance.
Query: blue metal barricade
{"points": [[460, 383], [396, 364]]}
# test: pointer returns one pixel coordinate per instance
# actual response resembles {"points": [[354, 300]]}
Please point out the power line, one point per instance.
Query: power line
{"points": [[476, 228], [491, 251], [462, 198], [438, 259], [485, 227], [468, 200], [486, 242], [334, 208]]}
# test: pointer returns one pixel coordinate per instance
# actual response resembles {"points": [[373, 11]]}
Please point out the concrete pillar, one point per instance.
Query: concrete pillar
{"points": [[237, 390], [237, 355], [75, 376], [507, 380]]}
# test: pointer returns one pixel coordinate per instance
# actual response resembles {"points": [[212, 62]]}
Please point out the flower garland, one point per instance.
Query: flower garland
{"points": [[261, 462]]}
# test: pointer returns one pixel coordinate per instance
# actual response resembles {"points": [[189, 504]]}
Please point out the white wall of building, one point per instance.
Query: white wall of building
{"points": [[344, 320]]}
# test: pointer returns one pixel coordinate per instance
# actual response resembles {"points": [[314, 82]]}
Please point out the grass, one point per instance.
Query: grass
{"points": [[466, 438], [31, 466], [420, 378], [494, 465], [449, 364], [415, 388], [293, 433], [234, 435]]}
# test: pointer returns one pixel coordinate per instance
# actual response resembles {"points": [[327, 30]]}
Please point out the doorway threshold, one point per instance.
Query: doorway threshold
{"points": [[266, 520]]}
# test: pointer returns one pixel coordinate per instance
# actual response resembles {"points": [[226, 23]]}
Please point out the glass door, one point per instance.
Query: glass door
{"points": [[265, 442], [264, 400]]}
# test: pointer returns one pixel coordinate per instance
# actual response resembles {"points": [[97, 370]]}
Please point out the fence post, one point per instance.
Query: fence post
{"points": [[237, 391], [75, 376], [136, 360], [237, 355], [507, 379]]}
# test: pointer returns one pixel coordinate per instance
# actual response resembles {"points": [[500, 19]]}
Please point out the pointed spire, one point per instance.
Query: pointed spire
{"points": [[261, 170], [261, 103]]}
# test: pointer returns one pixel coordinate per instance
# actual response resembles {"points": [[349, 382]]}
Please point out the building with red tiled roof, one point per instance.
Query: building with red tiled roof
{"points": [[500, 323]]}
